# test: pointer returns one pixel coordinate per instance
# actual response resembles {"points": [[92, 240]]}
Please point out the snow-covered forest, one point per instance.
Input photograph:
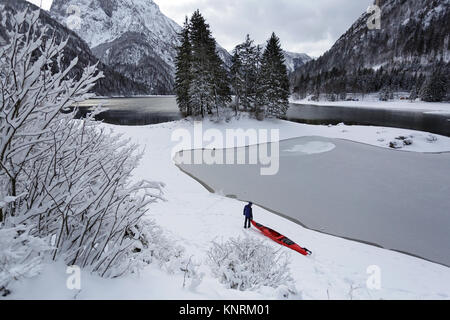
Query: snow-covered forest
{"points": [[337, 83]]}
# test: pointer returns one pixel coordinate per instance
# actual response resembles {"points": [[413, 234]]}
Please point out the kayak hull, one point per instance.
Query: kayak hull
{"points": [[280, 239]]}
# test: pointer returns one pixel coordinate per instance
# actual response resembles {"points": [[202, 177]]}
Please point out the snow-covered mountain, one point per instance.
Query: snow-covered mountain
{"points": [[132, 36], [414, 36], [295, 60], [113, 83], [105, 21]]}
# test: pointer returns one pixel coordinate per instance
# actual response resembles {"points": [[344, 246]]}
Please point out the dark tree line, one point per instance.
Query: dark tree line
{"points": [[203, 85], [337, 82]]}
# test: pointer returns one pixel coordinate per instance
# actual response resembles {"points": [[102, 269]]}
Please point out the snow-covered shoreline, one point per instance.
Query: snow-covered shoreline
{"points": [[373, 103], [193, 217]]}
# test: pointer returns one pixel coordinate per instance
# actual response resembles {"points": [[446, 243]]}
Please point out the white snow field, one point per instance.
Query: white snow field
{"points": [[193, 217]]}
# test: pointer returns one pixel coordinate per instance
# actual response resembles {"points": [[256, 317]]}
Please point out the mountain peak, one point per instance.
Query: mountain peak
{"points": [[293, 60], [106, 20]]}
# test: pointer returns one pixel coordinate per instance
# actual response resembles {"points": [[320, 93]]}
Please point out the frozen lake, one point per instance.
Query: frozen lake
{"points": [[397, 200]]}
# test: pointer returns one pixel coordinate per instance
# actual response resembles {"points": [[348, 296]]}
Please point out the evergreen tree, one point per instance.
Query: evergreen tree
{"points": [[245, 72], [386, 93], [221, 83], [209, 89], [274, 79], [259, 95], [249, 57], [435, 87], [236, 78], [183, 77], [413, 94]]}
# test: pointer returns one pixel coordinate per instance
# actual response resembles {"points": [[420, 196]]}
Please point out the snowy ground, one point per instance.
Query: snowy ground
{"points": [[372, 101], [193, 218]]}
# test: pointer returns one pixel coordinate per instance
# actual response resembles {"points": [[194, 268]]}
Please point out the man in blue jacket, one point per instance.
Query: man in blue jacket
{"points": [[248, 213]]}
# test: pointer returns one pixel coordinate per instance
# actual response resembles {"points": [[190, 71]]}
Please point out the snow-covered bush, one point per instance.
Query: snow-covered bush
{"points": [[401, 141], [156, 248], [20, 255], [248, 264], [69, 179], [431, 138], [396, 144]]}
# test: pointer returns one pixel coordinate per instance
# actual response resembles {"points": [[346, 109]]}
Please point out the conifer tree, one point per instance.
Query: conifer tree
{"points": [[259, 95], [250, 72], [435, 87], [209, 89], [220, 80], [274, 79], [245, 72], [183, 71], [236, 78]]}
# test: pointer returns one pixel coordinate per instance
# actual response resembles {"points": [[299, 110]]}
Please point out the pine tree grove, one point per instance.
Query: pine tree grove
{"points": [[260, 80], [203, 86]]}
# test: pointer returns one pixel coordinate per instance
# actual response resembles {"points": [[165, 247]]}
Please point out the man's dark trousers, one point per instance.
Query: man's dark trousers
{"points": [[247, 222]]}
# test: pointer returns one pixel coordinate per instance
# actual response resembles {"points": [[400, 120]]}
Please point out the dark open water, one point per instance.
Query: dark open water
{"points": [[153, 110]]}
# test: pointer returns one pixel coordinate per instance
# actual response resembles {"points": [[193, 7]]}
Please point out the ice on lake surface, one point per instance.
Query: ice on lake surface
{"points": [[398, 200], [312, 147]]}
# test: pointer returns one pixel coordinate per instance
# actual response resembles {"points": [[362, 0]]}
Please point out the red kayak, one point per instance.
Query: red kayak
{"points": [[280, 239]]}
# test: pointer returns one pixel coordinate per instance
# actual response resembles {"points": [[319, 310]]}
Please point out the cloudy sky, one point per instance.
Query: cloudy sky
{"points": [[302, 25]]}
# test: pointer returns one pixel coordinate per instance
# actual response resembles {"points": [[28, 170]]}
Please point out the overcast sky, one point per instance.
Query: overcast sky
{"points": [[309, 26]]}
